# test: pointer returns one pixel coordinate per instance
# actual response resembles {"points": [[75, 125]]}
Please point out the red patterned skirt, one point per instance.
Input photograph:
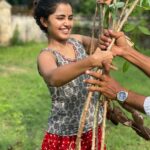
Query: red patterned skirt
{"points": [[55, 142]]}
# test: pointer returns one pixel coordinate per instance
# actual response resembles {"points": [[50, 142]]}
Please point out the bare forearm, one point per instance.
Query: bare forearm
{"points": [[136, 101], [68, 72], [138, 59]]}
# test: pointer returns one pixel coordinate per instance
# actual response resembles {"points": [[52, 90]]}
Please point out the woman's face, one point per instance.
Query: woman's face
{"points": [[60, 23]]}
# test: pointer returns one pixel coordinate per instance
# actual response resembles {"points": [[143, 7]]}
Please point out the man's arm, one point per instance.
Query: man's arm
{"points": [[138, 59], [110, 87], [122, 49]]}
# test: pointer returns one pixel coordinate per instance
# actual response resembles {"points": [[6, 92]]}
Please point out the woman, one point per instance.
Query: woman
{"points": [[62, 65]]}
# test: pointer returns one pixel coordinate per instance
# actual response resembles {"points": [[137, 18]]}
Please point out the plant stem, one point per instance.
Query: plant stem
{"points": [[86, 105], [82, 121], [123, 12], [95, 127], [104, 125], [127, 15], [93, 31], [114, 20]]}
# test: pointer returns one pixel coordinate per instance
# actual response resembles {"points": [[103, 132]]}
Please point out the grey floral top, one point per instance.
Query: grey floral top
{"points": [[68, 100]]}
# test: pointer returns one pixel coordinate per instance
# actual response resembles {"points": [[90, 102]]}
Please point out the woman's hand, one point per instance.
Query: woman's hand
{"points": [[120, 45], [102, 58]]}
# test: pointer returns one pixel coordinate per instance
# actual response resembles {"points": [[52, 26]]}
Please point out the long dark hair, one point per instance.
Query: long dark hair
{"points": [[44, 8]]}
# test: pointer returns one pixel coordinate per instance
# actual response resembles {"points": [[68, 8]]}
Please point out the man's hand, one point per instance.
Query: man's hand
{"points": [[120, 45], [104, 84], [104, 1]]}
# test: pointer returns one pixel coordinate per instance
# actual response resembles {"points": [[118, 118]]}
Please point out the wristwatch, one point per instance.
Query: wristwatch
{"points": [[122, 96]]}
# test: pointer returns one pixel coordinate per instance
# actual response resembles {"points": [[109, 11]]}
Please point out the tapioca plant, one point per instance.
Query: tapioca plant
{"points": [[113, 16]]}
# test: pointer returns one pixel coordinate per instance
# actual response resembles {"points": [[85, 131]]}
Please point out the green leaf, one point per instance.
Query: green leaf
{"points": [[129, 27], [137, 47], [106, 18], [144, 2], [145, 7], [126, 66], [117, 5], [144, 30], [114, 14], [148, 2], [141, 2]]}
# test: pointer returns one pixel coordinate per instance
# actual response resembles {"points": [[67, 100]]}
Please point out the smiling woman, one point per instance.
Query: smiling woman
{"points": [[62, 64], [60, 23]]}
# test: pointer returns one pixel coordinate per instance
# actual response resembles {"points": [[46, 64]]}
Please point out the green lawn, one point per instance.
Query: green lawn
{"points": [[25, 102]]}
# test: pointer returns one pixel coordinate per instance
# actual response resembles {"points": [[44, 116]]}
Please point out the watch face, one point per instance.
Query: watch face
{"points": [[122, 96]]}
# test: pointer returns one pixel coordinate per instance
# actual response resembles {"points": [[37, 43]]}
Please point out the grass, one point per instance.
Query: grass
{"points": [[25, 102], [24, 98]]}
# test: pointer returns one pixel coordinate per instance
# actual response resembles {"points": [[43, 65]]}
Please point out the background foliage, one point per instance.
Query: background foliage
{"points": [[138, 27]]}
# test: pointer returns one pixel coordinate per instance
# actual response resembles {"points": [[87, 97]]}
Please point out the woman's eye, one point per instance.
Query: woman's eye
{"points": [[70, 18]]}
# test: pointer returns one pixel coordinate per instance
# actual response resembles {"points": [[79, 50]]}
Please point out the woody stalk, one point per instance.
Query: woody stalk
{"points": [[117, 26]]}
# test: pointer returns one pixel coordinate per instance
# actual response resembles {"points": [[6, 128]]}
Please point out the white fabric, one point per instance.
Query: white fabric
{"points": [[147, 106]]}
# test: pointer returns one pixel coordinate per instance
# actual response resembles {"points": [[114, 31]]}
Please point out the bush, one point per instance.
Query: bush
{"points": [[15, 40]]}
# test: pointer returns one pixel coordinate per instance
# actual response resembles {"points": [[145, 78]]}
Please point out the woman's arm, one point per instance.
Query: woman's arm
{"points": [[58, 76]]}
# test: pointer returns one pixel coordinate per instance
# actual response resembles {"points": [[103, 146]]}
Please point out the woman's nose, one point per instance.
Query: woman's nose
{"points": [[67, 22]]}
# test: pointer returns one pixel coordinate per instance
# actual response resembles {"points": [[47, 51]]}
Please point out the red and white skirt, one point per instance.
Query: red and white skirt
{"points": [[55, 142]]}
